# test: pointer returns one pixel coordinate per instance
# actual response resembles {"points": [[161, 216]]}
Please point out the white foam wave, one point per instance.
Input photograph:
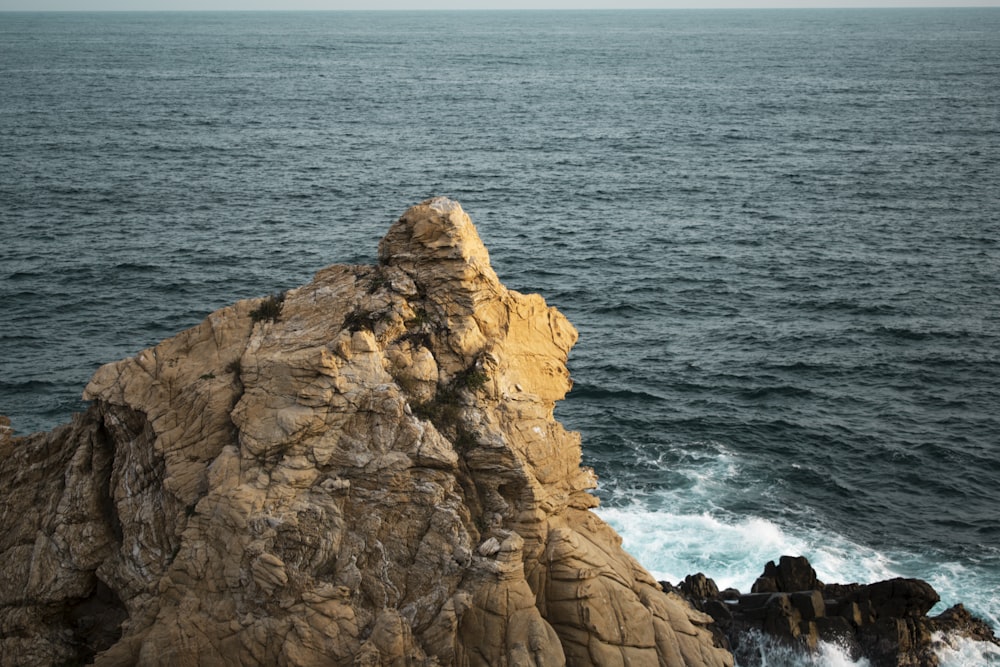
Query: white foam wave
{"points": [[961, 652], [956, 583], [660, 529], [761, 651], [734, 552]]}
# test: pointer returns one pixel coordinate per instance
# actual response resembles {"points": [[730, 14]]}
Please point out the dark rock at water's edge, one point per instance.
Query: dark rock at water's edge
{"points": [[885, 622]]}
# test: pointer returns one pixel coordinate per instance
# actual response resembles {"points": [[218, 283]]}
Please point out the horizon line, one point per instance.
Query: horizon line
{"points": [[493, 9]]}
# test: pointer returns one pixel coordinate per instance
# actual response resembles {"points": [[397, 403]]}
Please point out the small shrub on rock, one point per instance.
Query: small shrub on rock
{"points": [[269, 309]]}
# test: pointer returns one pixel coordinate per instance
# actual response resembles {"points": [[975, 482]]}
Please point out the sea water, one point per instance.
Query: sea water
{"points": [[778, 232]]}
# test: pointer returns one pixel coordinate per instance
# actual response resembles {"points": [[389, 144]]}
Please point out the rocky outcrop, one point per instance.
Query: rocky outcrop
{"points": [[361, 471], [885, 622]]}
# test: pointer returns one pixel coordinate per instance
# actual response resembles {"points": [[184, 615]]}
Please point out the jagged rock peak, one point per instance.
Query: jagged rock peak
{"points": [[435, 230], [363, 470]]}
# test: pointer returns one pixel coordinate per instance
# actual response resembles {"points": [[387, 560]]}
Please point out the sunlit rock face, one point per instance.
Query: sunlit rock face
{"points": [[364, 470]]}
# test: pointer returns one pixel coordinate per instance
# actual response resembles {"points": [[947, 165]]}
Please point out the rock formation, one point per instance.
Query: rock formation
{"points": [[884, 622], [361, 471]]}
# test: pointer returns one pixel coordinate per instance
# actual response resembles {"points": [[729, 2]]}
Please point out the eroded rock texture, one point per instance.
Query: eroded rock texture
{"points": [[365, 470]]}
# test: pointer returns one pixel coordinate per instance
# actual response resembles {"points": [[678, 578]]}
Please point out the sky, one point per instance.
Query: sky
{"points": [[251, 5]]}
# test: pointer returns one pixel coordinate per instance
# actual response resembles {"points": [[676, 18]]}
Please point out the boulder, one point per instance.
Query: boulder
{"points": [[698, 586], [791, 574]]}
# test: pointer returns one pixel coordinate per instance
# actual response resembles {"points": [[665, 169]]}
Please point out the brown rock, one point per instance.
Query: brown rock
{"points": [[698, 586], [5, 432], [790, 575], [899, 598], [958, 621], [364, 470], [809, 604]]}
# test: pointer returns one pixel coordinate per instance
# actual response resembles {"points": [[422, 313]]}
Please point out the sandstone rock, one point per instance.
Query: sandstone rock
{"points": [[5, 431], [364, 470]]}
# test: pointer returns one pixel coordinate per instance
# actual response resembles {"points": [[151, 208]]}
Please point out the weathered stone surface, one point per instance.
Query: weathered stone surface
{"points": [[365, 470]]}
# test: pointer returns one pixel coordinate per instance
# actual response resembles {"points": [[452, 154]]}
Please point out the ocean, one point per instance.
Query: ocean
{"points": [[777, 231]]}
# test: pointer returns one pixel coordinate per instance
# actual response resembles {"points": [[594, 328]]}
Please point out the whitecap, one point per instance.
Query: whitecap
{"points": [[734, 550], [963, 652], [761, 651]]}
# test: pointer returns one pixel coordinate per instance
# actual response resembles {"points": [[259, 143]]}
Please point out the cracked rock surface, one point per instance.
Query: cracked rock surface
{"points": [[364, 470]]}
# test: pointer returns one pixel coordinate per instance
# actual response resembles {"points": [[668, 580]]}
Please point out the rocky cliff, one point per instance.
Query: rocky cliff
{"points": [[364, 470]]}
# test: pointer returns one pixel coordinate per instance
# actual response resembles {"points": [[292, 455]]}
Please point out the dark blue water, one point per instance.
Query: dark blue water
{"points": [[778, 233]]}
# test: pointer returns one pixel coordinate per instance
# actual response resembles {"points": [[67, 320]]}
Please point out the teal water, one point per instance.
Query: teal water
{"points": [[778, 233]]}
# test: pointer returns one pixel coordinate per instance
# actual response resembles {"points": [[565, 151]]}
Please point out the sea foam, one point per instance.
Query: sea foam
{"points": [[962, 652], [733, 551]]}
